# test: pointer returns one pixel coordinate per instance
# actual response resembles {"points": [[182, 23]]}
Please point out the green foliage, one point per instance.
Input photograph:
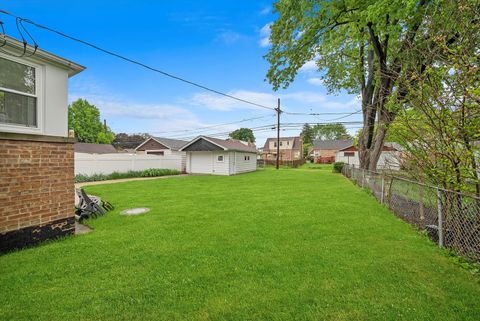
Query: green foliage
{"points": [[332, 33], [338, 166], [330, 131], [306, 149], [123, 140], [84, 119], [244, 134], [152, 172], [307, 134]]}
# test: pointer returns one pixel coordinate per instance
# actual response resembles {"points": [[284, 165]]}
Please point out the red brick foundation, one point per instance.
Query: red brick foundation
{"points": [[36, 191]]}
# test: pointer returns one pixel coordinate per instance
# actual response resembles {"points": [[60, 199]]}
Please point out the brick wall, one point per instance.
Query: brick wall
{"points": [[36, 191]]}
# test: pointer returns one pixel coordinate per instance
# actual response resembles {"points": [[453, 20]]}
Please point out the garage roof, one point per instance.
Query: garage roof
{"points": [[223, 144]]}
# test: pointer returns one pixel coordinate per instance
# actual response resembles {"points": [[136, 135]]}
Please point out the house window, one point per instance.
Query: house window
{"points": [[274, 144], [349, 154], [18, 94], [288, 143], [160, 153], [220, 158], [246, 158], [281, 143]]}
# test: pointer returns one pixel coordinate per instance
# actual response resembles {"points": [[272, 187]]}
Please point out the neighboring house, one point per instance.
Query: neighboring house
{"points": [[259, 152], [291, 148], [390, 158], [160, 146], [163, 147], [207, 155], [324, 151], [36, 153], [88, 148]]}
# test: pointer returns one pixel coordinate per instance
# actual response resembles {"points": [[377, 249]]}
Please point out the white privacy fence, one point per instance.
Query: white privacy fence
{"points": [[88, 164]]}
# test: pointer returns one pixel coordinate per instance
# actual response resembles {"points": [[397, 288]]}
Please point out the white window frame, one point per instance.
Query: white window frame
{"points": [[39, 94], [154, 151], [223, 158]]}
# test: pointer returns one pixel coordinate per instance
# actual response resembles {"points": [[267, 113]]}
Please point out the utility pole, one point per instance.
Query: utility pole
{"points": [[105, 125], [278, 132]]}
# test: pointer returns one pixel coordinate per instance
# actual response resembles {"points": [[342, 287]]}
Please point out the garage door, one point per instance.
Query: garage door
{"points": [[201, 163]]}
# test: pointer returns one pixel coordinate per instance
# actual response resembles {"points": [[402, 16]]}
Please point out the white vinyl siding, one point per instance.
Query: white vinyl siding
{"points": [[233, 163], [51, 95], [169, 152], [242, 165]]}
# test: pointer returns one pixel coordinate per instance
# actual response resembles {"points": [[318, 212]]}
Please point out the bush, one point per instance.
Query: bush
{"points": [[338, 166], [151, 172]]}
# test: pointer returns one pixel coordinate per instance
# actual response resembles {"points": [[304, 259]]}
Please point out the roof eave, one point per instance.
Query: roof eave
{"points": [[72, 67]]}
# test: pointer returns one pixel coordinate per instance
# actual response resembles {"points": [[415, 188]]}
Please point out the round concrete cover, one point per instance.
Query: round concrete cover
{"points": [[135, 211]]}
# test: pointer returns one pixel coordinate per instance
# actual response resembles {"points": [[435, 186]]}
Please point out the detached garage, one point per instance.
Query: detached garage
{"points": [[207, 155]]}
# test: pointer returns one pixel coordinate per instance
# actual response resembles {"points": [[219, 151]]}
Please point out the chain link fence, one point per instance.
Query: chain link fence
{"points": [[451, 219], [290, 163]]}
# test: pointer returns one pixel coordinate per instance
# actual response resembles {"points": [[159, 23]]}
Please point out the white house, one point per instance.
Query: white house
{"points": [[390, 157], [36, 153], [207, 155]]}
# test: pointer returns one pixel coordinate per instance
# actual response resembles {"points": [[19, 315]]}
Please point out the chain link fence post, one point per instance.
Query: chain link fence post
{"points": [[363, 177], [383, 190], [440, 217]]}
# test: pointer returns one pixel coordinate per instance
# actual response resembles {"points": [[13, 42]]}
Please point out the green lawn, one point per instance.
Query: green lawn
{"points": [[293, 244], [308, 165]]}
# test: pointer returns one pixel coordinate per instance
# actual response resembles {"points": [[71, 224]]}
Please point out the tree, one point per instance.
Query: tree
{"points": [[123, 140], [84, 119], [330, 131], [245, 134], [362, 47], [307, 134], [440, 126]]}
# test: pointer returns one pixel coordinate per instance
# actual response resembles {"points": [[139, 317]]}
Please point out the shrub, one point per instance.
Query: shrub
{"points": [[151, 172], [338, 166]]}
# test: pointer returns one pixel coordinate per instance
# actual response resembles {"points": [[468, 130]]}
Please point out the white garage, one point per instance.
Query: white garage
{"points": [[207, 155]]}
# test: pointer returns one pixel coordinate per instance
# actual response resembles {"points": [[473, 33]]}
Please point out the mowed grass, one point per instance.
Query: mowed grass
{"points": [[269, 245]]}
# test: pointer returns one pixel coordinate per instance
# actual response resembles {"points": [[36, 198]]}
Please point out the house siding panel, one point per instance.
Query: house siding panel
{"points": [[151, 145], [243, 166]]}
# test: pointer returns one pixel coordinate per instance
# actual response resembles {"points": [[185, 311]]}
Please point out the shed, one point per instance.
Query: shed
{"points": [[390, 158], [207, 155]]}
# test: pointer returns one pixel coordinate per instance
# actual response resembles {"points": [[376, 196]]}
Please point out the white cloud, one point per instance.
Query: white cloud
{"points": [[306, 97], [265, 11], [310, 65], [216, 102], [265, 35], [315, 81], [229, 37], [131, 117], [293, 101]]}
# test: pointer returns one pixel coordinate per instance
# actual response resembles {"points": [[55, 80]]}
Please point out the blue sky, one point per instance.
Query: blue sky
{"points": [[217, 43]]}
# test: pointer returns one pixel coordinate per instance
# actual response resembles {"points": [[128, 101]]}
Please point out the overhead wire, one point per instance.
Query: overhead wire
{"points": [[136, 62], [20, 26]]}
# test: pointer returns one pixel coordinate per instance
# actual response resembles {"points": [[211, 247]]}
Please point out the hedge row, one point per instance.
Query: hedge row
{"points": [[152, 172]]}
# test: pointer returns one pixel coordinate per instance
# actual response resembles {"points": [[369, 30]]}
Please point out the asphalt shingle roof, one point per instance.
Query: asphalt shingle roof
{"points": [[173, 144], [296, 142], [233, 144], [332, 144], [94, 148]]}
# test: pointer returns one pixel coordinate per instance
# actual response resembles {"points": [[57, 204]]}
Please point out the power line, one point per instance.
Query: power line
{"points": [[203, 128], [167, 74]]}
